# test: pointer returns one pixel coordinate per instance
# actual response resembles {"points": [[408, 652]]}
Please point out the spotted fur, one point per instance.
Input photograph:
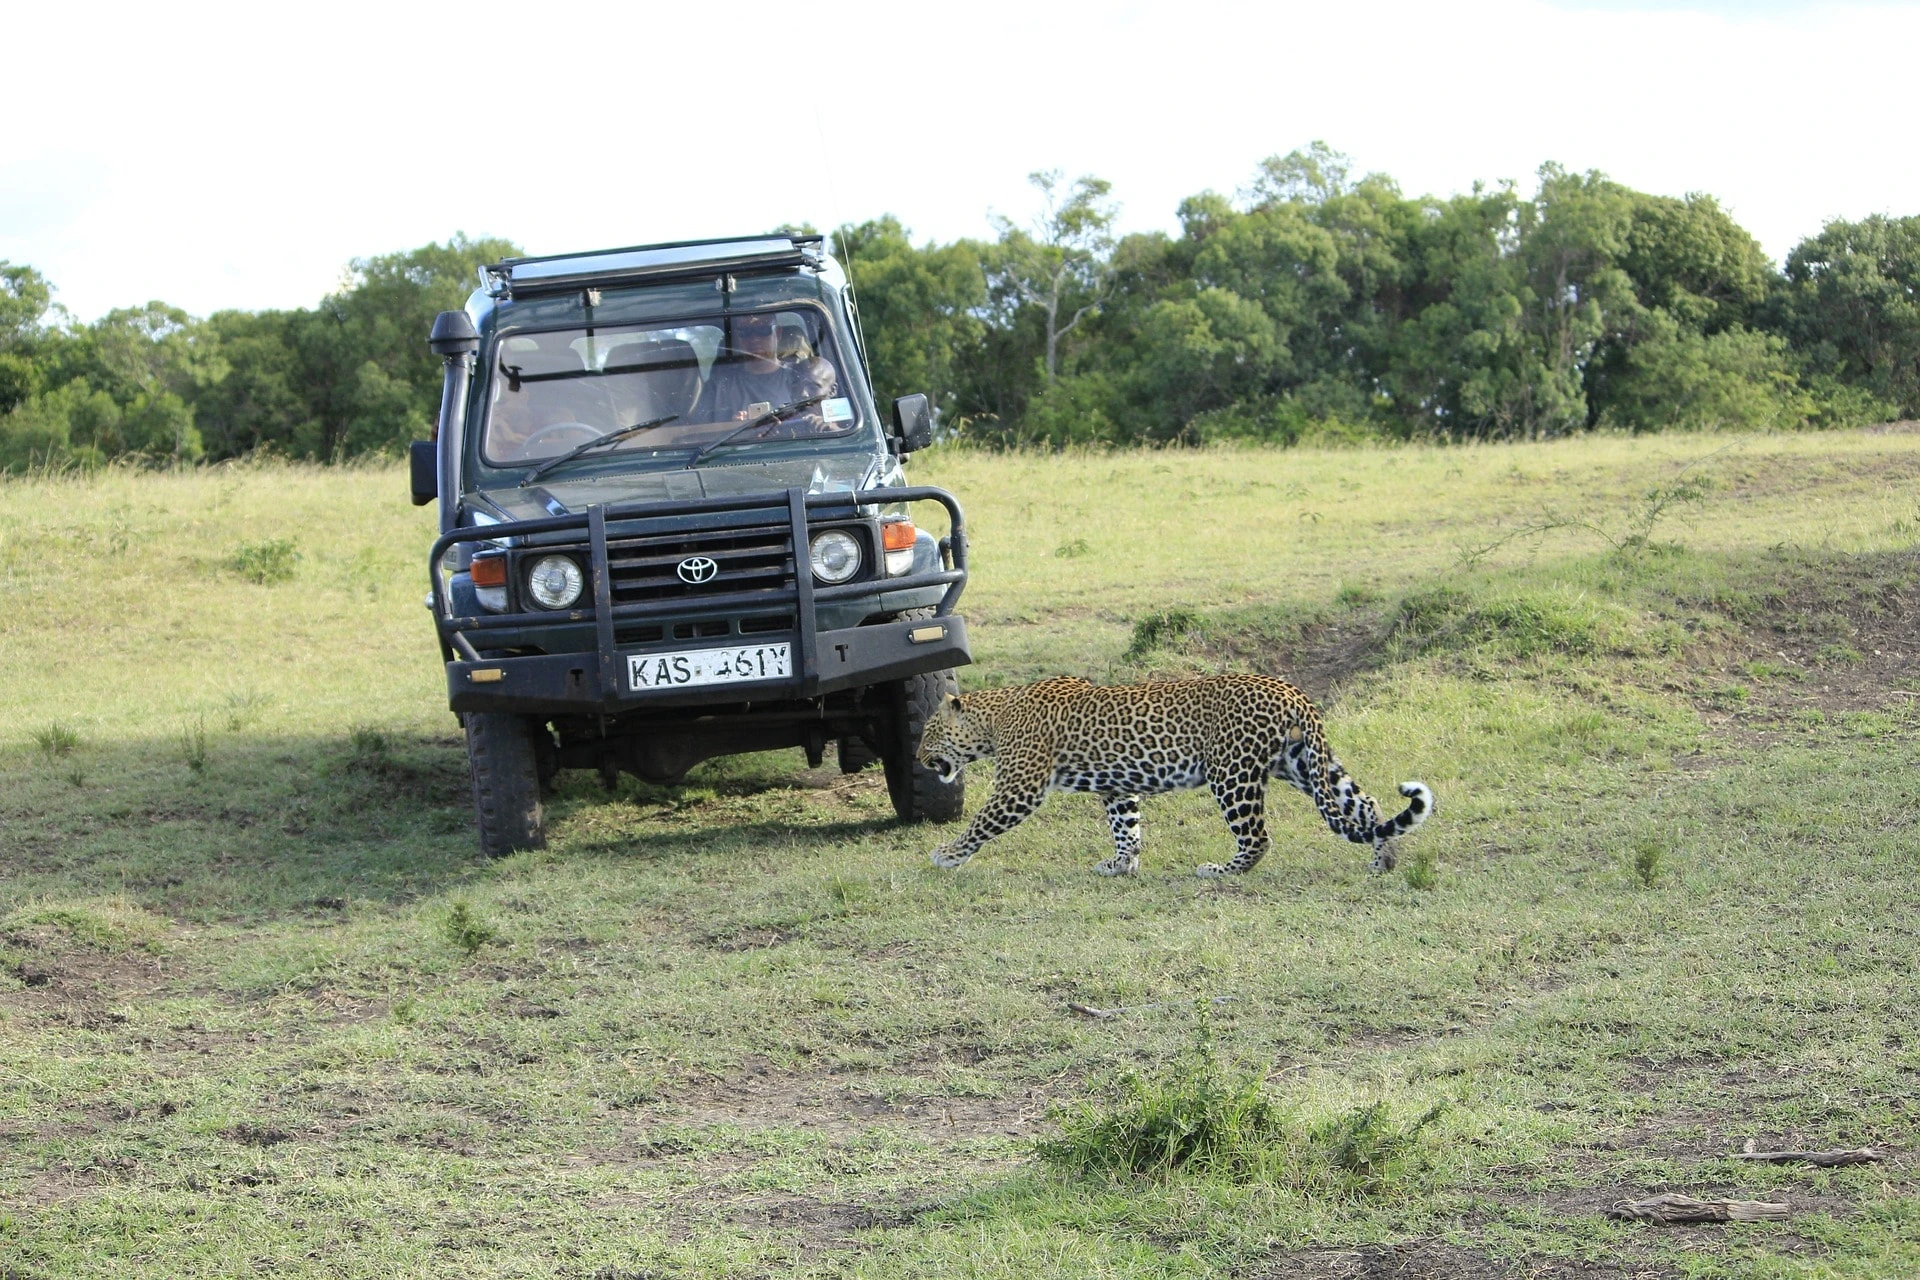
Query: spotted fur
{"points": [[1228, 733]]}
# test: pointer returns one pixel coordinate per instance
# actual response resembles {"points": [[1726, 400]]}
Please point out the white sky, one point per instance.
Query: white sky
{"points": [[215, 157]]}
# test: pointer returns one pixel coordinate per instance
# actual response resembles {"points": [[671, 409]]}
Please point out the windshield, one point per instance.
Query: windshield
{"points": [[710, 377]]}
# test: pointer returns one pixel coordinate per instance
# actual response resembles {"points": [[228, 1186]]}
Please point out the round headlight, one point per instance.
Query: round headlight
{"points": [[554, 582], [836, 556]]}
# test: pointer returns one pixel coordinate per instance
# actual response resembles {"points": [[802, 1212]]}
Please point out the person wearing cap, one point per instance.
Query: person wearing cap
{"points": [[768, 365]]}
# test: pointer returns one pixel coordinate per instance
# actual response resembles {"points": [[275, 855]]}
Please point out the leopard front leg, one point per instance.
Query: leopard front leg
{"points": [[1243, 803], [1123, 818], [1016, 794]]}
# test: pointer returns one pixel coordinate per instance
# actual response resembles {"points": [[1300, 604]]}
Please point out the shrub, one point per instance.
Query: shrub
{"points": [[193, 744], [466, 930], [369, 742], [1647, 856], [56, 740], [1196, 1116], [1157, 630], [1200, 1118], [266, 563]]}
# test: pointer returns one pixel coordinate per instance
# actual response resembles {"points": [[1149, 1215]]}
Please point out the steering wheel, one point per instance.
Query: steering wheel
{"points": [[532, 445]]}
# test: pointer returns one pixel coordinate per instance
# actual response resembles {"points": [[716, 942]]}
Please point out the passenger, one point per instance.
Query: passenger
{"points": [[768, 366]]}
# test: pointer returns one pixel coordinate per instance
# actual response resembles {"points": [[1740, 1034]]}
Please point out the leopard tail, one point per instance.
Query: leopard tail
{"points": [[1351, 812]]}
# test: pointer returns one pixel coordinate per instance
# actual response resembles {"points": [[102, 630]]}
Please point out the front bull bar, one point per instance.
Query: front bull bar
{"points": [[566, 684]]}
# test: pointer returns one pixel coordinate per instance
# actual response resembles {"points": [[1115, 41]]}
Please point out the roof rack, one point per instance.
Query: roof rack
{"points": [[680, 259]]}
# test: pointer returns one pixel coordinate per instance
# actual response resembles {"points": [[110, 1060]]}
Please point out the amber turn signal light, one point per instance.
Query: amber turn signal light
{"points": [[489, 571], [897, 536]]}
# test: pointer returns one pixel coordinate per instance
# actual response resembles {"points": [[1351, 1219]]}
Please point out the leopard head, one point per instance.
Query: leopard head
{"points": [[954, 737]]}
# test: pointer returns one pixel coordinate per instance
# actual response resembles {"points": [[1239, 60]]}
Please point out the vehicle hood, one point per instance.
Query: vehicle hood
{"points": [[558, 495]]}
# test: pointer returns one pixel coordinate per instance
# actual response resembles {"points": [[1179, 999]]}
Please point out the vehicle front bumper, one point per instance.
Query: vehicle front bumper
{"points": [[595, 680], [574, 683]]}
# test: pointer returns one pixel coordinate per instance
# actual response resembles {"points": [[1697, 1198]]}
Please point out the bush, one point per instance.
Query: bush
{"points": [[1198, 1117], [56, 740], [1195, 1116], [267, 562], [1519, 624], [1158, 630], [465, 930]]}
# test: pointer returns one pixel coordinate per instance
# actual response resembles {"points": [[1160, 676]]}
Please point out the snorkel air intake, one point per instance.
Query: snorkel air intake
{"points": [[454, 340]]}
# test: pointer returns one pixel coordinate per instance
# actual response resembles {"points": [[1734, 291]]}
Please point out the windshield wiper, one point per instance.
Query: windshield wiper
{"points": [[770, 416], [596, 443]]}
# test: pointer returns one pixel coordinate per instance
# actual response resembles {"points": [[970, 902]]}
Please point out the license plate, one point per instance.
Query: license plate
{"points": [[709, 666]]}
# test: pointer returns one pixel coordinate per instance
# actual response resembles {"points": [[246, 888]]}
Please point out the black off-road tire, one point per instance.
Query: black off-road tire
{"points": [[504, 752], [917, 792], [854, 753]]}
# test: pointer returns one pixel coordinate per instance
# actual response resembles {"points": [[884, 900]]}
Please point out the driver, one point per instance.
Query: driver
{"points": [[769, 365]]}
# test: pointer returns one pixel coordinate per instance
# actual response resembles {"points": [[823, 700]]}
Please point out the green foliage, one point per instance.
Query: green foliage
{"points": [[463, 928], [1648, 854], [193, 744], [1158, 630], [1315, 306], [1851, 304], [1200, 1118], [1364, 1150], [1422, 869], [369, 742], [1518, 623], [1196, 1116], [267, 563], [56, 740]]}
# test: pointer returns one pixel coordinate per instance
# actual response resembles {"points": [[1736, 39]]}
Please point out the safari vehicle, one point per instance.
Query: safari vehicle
{"points": [[673, 526]]}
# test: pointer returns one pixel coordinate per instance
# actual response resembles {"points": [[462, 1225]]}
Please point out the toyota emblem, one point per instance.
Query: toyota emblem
{"points": [[697, 569]]}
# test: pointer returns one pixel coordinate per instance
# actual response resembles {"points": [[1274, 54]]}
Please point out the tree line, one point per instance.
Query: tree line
{"points": [[1310, 305]]}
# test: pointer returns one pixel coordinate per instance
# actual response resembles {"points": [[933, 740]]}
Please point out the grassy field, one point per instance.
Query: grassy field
{"points": [[263, 1009]]}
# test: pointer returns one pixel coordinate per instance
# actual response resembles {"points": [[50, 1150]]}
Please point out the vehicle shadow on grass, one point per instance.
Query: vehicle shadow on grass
{"points": [[649, 843], [236, 822]]}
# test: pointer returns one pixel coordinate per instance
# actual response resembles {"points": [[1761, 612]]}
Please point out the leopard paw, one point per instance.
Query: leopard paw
{"points": [[947, 861], [1383, 859], [1211, 871], [1118, 866]]}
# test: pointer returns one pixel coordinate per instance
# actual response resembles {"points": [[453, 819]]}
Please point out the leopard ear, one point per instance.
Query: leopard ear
{"points": [[953, 701]]}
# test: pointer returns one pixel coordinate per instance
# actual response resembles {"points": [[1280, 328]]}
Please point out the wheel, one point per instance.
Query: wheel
{"points": [[505, 753], [855, 754], [917, 792]]}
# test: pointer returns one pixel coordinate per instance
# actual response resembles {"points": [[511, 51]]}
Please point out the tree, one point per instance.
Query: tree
{"points": [[1059, 266], [1313, 176], [1851, 306], [919, 309]]}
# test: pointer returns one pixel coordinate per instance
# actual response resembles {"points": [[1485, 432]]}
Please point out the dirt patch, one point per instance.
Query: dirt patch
{"points": [[761, 1097], [76, 983], [764, 939], [1433, 1260], [822, 1224], [1838, 641], [1757, 479], [1318, 657]]}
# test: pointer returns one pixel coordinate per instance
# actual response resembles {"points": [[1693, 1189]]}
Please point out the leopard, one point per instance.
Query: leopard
{"points": [[1230, 733]]}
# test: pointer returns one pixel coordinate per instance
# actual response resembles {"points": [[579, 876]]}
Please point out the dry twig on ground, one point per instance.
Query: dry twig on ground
{"points": [[1826, 1159], [1671, 1206]]}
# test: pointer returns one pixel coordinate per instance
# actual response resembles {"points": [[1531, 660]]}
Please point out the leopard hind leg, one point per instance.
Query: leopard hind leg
{"points": [[1123, 819], [1242, 797]]}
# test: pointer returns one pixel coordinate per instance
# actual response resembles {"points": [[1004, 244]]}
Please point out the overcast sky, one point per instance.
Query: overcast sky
{"points": [[216, 158]]}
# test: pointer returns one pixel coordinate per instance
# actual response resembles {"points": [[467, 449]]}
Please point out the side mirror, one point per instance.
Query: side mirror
{"points": [[423, 462], [913, 422]]}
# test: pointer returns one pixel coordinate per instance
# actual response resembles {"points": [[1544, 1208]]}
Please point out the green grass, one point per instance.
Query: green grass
{"points": [[271, 1012]]}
